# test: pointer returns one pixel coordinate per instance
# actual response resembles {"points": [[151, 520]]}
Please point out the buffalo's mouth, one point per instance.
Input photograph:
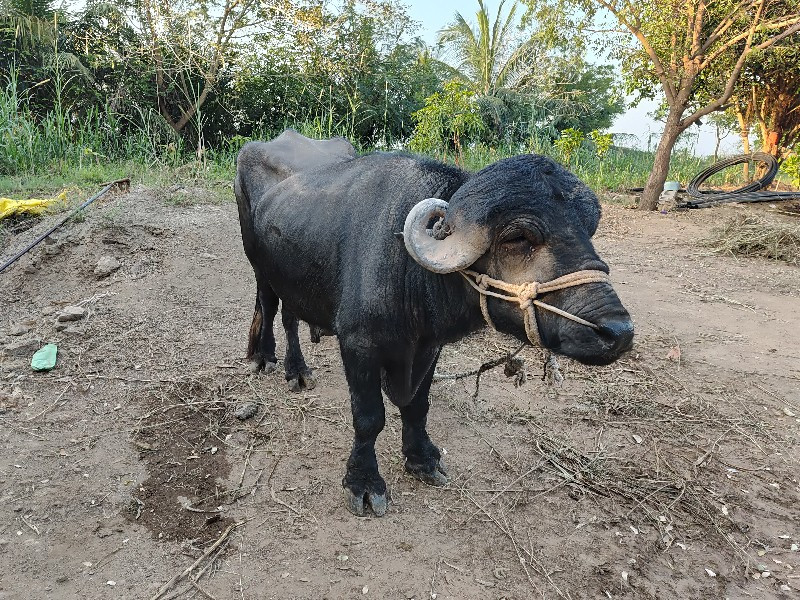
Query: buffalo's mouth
{"points": [[609, 338], [589, 325]]}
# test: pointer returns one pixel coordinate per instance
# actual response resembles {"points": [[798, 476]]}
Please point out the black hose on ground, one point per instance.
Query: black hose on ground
{"points": [[752, 192], [124, 184]]}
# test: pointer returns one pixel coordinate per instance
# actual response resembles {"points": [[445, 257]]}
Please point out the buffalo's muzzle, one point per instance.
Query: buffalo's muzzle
{"points": [[618, 334]]}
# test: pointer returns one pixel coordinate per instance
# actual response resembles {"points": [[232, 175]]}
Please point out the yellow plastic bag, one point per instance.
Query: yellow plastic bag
{"points": [[34, 206]]}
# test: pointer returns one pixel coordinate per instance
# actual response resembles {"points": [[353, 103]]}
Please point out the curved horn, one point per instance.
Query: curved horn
{"points": [[458, 250]]}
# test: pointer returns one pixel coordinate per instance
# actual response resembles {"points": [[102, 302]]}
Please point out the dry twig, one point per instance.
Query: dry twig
{"points": [[171, 583]]}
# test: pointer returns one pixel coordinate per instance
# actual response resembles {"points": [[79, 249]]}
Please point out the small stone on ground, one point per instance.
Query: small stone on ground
{"points": [[106, 266], [19, 329], [21, 347], [246, 410], [72, 313]]}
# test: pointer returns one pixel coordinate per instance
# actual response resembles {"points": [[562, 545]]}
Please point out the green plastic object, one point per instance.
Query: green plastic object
{"points": [[44, 358]]}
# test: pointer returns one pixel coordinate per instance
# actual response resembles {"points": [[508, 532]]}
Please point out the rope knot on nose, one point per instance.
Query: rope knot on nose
{"points": [[482, 280], [527, 293]]}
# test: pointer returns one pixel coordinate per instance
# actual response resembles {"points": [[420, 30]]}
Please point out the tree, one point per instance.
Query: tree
{"points": [[724, 123], [524, 84], [769, 94], [189, 44], [354, 71], [448, 119], [26, 23], [669, 45], [487, 58], [588, 96]]}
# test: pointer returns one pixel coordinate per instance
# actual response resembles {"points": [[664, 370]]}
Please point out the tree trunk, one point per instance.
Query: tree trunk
{"points": [[770, 143], [655, 183], [744, 133]]}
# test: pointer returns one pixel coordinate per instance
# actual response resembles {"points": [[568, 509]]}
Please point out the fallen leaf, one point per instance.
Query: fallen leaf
{"points": [[710, 573], [674, 353], [637, 438]]}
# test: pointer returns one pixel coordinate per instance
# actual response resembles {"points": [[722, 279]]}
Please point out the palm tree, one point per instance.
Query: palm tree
{"points": [[488, 58], [28, 22], [523, 83]]}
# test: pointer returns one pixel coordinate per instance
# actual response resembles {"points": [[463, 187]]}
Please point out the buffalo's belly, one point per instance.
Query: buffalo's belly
{"points": [[301, 277]]}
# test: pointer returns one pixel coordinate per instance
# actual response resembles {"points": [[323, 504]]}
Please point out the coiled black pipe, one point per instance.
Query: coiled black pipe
{"points": [[752, 192]]}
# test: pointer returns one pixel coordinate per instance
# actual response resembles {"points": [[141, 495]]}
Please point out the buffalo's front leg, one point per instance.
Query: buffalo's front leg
{"points": [[423, 458], [363, 485]]}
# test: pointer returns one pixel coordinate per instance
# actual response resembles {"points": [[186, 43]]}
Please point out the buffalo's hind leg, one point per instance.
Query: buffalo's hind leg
{"points": [[261, 339], [363, 485], [423, 458], [299, 376]]}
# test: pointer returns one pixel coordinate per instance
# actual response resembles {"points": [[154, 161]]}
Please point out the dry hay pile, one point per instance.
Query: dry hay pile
{"points": [[753, 235]]}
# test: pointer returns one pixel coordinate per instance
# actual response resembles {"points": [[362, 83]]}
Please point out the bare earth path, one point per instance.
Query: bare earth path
{"points": [[674, 473]]}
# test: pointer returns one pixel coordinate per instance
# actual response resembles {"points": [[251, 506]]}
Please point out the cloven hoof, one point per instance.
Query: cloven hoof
{"points": [[304, 381], [359, 504], [256, 365], [437, 477]]}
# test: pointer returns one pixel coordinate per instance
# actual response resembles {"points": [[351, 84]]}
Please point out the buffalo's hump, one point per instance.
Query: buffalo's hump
{"points": [[289, 154]]}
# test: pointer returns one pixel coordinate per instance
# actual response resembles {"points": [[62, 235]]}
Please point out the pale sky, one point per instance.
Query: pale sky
{"points": [[433, 15]]}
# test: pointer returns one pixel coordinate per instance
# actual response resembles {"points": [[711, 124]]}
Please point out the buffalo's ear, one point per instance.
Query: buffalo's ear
{"points": [[588, 208]]}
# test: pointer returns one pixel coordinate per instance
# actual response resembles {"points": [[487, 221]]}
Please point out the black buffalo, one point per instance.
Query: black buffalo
{"points": [[322, 230]]}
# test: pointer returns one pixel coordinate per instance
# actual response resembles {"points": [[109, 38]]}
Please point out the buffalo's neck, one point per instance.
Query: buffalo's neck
{"points": [[451, 308]]}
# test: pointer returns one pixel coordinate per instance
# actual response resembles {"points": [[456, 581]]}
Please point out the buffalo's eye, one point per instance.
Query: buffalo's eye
{"points": [[518, 244]]}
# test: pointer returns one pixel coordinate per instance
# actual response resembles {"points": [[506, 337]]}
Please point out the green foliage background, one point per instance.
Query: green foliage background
{"points": [[87, 93]]}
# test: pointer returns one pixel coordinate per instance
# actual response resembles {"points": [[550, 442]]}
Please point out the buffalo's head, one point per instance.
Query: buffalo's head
{"points": [[521, 220]]}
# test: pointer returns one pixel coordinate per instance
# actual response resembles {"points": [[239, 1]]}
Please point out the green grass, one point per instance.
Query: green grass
{"points": [[618, 170]]}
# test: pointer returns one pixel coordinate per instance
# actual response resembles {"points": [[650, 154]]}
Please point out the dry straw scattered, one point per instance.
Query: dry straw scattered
{"points": [[753, 235]]}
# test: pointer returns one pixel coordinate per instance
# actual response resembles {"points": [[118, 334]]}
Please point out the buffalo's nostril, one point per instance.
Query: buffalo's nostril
{"points": [[617, 333]]}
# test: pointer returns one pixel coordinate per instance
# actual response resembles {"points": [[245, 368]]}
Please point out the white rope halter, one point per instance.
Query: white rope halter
{"points": [[526, 294]]}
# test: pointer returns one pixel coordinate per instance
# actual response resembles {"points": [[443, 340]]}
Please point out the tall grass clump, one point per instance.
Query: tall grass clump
{"points": [[19, 134], [617, 169], [61, 141]]}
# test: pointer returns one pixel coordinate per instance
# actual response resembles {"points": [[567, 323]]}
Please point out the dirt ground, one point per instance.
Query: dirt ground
{"points": [[674, 473]]}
